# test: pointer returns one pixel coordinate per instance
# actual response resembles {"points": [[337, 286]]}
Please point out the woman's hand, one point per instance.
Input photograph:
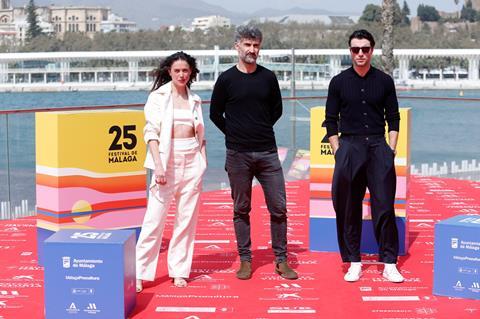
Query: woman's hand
{"points": [[159, 174]]}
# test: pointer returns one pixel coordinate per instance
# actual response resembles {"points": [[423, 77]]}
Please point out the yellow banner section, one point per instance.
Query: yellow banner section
{"points": [[103, 141], [321, 152], [322, 164]]}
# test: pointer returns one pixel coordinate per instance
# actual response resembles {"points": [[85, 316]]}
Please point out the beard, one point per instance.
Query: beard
{"points": [[249, 58]]}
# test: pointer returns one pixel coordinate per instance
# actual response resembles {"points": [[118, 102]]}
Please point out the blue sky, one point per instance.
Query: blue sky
{"points": [[331, 5]]}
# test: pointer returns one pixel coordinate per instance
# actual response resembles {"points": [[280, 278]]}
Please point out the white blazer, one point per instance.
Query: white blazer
{"points": [[159, 117]]}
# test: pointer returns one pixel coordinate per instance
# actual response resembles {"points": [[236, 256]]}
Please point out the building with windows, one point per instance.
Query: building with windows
{"points": [[78, 19], [59, 20], [115, 23], [205, 23]]}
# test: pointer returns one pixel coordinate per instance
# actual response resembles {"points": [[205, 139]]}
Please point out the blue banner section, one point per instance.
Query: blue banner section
{"points": [[89, 274], [323, 235], [457, 257]]}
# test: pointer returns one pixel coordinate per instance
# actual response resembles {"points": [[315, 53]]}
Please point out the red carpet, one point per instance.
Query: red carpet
{"points": [[320, 292]]}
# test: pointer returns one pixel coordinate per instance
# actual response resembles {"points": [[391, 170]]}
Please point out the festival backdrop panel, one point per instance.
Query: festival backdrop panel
{"points": [[89, 170], [323, 235]]}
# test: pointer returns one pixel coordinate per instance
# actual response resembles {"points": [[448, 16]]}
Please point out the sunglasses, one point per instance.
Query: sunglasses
{"points": [[356, 50]]}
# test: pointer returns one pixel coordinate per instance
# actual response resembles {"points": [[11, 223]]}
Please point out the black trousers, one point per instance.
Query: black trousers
{"points": [[361, 162], [266, 167]]}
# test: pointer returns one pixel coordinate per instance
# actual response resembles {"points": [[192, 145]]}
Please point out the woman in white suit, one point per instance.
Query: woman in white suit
{"points": [[174, 132]]}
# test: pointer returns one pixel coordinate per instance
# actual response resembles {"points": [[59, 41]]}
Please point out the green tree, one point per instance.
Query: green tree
{"points": [[371, 13], [405, 13], [468, 13], [34, 29], [427, 13]]}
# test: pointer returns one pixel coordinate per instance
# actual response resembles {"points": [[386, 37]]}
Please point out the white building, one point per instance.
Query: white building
{"points": [[115, 23], [59, 20], [205, 23]]}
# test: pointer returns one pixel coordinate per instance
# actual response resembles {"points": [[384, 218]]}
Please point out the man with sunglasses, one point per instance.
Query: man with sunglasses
{"points": [[360, 100]]}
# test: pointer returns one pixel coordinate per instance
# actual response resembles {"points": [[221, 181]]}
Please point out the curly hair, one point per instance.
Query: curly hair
{"points": [[250, 32], [161, 73]]}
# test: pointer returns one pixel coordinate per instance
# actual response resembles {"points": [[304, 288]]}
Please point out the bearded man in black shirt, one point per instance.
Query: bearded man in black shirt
{"points": [[246, 102], [360, 100]]}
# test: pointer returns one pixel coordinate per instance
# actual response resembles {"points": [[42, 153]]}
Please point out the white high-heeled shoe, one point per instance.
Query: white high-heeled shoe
{"points": [[179, 282], [139, 285]]}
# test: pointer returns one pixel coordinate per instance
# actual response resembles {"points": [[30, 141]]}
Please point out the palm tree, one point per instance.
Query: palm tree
{"points": [[388, 7]]}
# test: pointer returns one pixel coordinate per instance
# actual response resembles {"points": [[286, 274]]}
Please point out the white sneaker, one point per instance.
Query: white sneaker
{"points": [[354, 272], [391, 273]]}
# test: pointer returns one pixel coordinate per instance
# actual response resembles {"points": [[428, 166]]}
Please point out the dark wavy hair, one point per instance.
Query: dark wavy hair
{"points": [[161, 73], [362, 34]]}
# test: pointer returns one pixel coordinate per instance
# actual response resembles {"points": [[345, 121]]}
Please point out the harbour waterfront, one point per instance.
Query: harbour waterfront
{"points": [[442, 130]]}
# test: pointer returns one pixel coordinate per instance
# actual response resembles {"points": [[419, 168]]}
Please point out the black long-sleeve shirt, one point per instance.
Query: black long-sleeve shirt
{"points": [[245, 106], [360, 105]]}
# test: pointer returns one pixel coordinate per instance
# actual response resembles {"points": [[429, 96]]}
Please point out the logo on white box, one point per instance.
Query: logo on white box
{"points": [[72, 309], [458, 286], [66, 262], [90, 235], [454, 243], [92, 308]]}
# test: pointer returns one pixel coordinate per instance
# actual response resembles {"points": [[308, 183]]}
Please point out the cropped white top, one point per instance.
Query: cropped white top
{"points": [[182, 117]]}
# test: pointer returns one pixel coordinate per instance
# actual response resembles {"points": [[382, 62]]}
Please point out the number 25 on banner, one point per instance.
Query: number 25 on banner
{"points": [[130, 139]]}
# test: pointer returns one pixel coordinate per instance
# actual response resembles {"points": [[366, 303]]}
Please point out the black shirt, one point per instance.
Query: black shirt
{"points": [[245, 106], [360, 105]]}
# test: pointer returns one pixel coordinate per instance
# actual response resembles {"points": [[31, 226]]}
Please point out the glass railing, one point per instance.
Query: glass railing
{"points": [[443, 131], [17, 149]]}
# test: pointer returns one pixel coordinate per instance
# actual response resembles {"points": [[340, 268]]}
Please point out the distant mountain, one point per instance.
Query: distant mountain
{"points": [[150, 13], [269, 12]]}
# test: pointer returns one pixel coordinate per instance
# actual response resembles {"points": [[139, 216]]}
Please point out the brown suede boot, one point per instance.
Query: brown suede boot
{"points": [[245, 271], [284, 270]]}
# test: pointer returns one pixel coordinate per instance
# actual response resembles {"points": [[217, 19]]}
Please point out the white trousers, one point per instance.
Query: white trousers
{"points": [[184, 183]]}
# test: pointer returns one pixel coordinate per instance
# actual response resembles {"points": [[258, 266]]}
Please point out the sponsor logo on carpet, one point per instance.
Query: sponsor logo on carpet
{"points": [[205, 278], [425, 311], [288, 287], [471, 310], [391, 298], [219, 287], [208, 271], [186, 309], [298, 310], [23, 277], [10, 294], [218, 241]]}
